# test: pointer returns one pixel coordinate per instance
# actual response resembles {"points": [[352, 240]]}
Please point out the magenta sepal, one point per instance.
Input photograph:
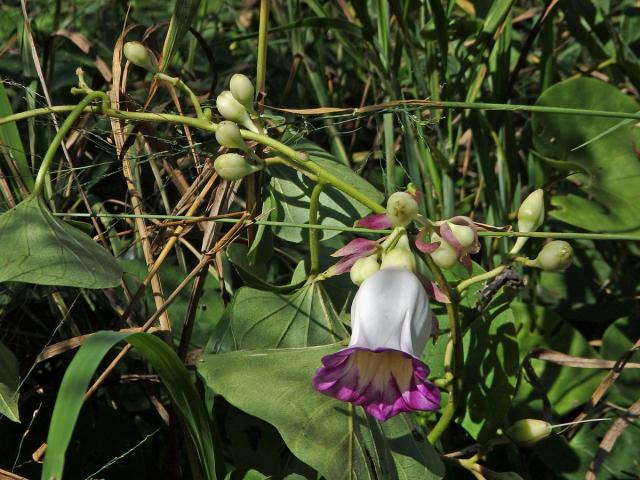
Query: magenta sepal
{"points": [[361, 246], [425, 247], [376, 221], [351, 253], [432, 290]]}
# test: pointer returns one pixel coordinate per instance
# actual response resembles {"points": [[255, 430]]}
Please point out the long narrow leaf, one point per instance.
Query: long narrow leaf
{"points": [[173, 374], [10, 143]]}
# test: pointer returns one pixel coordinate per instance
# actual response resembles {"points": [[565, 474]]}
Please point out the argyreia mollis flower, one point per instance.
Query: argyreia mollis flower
{"points": [[381, 369]]}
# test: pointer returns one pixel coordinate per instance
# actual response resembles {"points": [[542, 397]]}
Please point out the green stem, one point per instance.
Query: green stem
{"points": [[462, 286], [176, 82], [359, 230], [263, 30], [569, 235], [36, 112], [314, 203], [323, 175], [454, 356], [533, 108], [422, 105], [55, 143]]}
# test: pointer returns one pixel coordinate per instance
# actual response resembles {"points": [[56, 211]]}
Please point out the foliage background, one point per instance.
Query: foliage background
{"points": [[475, 162]]}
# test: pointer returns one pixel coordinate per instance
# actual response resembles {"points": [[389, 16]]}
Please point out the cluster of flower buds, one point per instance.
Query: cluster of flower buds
{"points": [[235, 105], [452, 241], [140, 56], [394, 252], [556, 255]]}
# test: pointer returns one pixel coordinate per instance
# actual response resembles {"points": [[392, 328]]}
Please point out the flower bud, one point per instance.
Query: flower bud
{"points": [[228, 135], [465, 235], [140, 55], [233, 110], [530, 217], [528, 431], [363, 269], [243, 91], [555, 256], [445, 256], [232, 166], [401, 209], [531, 212], [399, 258]]}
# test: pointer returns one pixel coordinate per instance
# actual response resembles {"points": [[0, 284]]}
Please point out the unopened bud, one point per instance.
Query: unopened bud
{"points": [[140, 55], [531, 212], [530, 217], [363, 269], [228, 135], [528, 431], [243, 91], [399, 258], [555, 256], [464, 234], [233, 110], [232, 166], [402, 208], [445, 256]]}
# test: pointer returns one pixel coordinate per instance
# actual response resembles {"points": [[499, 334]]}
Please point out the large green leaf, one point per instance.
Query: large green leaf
{"points": [[333, 437], [290, 192], [611, 178], [9, 378], [254, 274], [566, 388], [491, 370], [173, 374], [616, 341], [42, 249], [259, 319]]}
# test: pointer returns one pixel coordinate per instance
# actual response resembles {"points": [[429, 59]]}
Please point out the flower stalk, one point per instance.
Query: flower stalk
{"points": [[314, 234]]}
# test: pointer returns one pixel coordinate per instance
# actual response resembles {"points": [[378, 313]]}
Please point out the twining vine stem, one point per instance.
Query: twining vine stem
{"points": [[454, 353], [314, 234]]}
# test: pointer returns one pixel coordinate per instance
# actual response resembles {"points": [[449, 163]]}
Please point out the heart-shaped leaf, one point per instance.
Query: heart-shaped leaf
{"points": [[335, 438], [611, 183], [259, 319], [39, 248], [291, 191]]}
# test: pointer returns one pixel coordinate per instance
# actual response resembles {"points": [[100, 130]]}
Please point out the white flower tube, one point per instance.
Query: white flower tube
{"points": [[381, 368]]}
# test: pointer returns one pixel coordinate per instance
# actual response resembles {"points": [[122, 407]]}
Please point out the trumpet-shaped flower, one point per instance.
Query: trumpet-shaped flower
{"points": [[381, 370]]}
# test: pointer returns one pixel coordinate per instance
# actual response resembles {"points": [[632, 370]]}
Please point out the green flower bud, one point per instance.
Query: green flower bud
{"points": [[401, 209], [140, 55], [243, 91], [528, 431], [555, 256], [233, 110], [364, 268], [465, 235], [530, 217], [531, 212], [232, 166], [228, 135], [399, 258], [445, 256]]}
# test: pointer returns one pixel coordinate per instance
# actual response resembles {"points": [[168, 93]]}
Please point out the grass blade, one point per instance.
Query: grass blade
{"points": [[76, 380]]}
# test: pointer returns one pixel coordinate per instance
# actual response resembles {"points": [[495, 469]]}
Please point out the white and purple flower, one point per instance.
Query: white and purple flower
{"points": [[381, 369]]}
